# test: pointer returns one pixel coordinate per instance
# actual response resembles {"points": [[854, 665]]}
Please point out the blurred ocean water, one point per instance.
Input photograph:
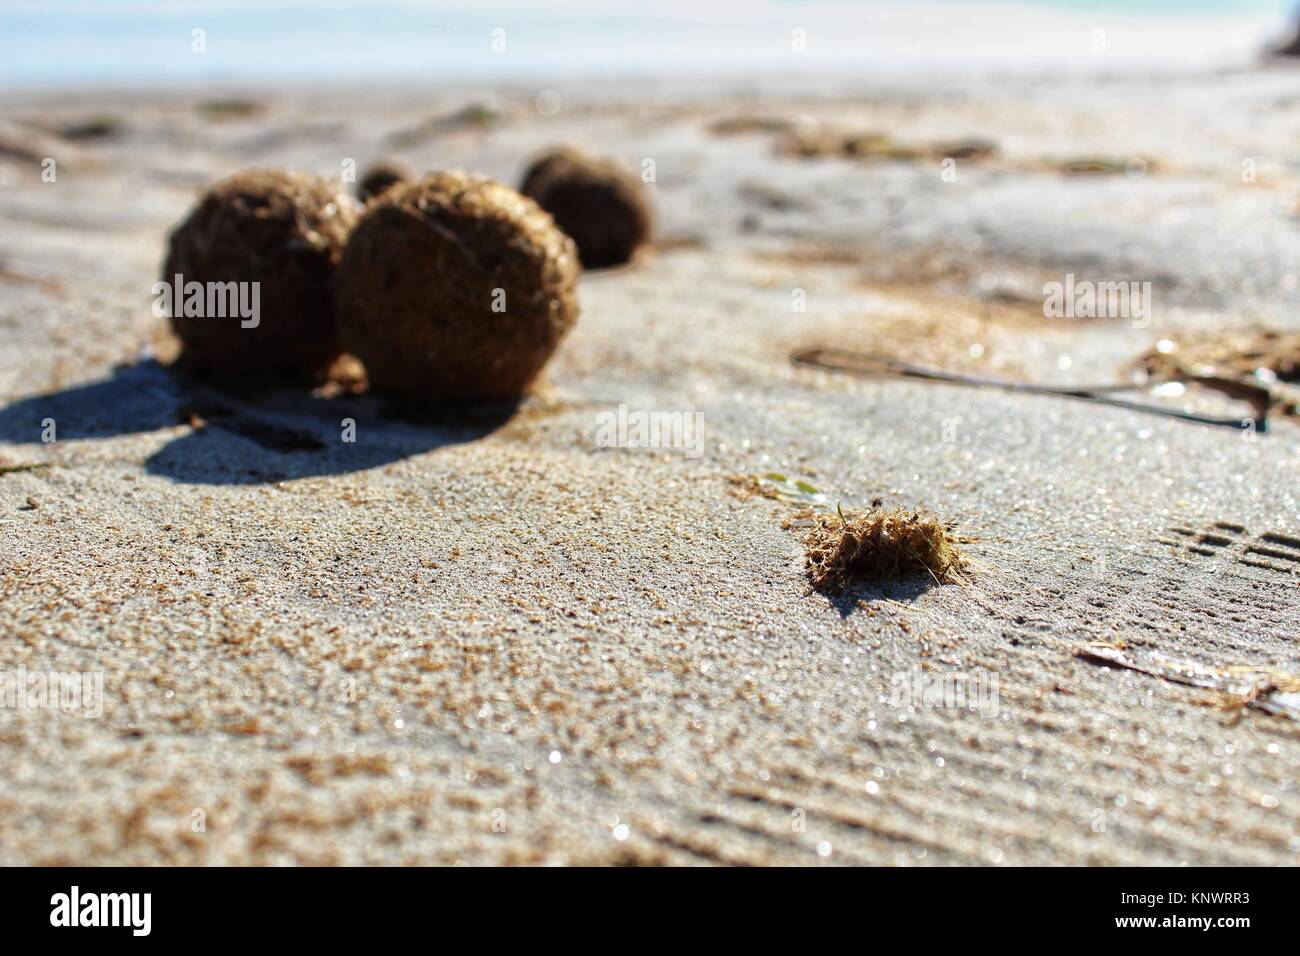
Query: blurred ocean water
{"points": [[183, 42]]}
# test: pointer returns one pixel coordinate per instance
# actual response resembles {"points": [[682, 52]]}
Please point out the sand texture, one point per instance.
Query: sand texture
{"points": [[483, 641]]}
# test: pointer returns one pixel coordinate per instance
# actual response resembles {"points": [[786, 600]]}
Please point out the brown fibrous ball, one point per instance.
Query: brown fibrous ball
{"points": [[455, 288], [382, 176], [284, 231], [600, 203]]}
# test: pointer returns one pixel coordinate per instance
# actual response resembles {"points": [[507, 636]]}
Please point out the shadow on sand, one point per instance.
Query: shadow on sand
{"points": [[248, 438], [904, 591]]}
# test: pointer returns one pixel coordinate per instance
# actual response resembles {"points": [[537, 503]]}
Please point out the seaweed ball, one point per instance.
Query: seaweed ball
{"points": [[455, 288], [549, 163], [600, 203], [381, 176], [251, 274]]}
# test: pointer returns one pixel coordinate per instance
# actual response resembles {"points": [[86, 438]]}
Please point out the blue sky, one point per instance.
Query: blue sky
{"points": [[149, 41]]}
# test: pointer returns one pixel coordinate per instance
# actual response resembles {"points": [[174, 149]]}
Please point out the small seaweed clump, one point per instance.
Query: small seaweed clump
{"points": [[816, 142], [880, 546], [1241, 352], [1260, 366]]}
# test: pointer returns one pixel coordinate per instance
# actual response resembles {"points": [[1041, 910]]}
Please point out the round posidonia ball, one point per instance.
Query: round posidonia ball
{"points": [[600, 203], [250, 274], [549, 162], [381, 176], [455, 288]]}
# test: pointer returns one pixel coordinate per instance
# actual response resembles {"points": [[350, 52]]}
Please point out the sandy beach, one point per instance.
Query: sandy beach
{"points": [[482, 640]]}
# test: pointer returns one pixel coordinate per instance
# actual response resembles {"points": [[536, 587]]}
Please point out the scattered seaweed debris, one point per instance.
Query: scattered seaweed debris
{"points": [[16, 469], [93, 127], [879, 545], [778, 487], [813, 142], [1257, 396], [1243, 352], [1106, 166], [808, 139], [477, 115], [749, 123], [26, 144], [1236, 687], [229, 108], [1261, 365]]}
